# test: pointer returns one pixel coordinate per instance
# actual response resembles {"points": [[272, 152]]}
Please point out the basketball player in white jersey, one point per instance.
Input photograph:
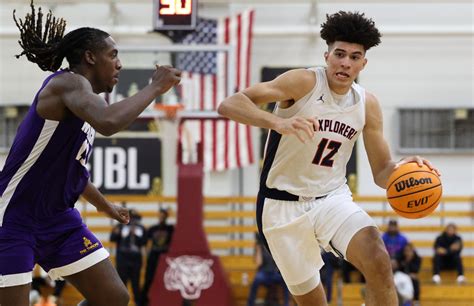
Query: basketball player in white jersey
{"points": [[304, 202]]}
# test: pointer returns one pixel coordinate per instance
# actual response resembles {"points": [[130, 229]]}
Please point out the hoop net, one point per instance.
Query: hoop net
{"points": [[170, 111]]}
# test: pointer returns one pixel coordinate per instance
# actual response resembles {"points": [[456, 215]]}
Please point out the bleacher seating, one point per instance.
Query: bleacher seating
{"points": [[230, 225]]}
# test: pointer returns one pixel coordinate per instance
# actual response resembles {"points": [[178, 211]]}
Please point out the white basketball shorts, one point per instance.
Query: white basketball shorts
{"points": [[296, 230]]}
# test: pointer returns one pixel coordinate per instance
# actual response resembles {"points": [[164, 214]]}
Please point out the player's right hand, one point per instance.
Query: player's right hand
{"points": [[303, 128], [165, 77]]}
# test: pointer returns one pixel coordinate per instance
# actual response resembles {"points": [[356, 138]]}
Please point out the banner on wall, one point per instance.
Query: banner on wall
{"points": [[122, 165]]}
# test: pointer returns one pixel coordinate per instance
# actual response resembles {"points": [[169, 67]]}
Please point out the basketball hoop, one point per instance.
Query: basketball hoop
{"points": [[170, 110]]}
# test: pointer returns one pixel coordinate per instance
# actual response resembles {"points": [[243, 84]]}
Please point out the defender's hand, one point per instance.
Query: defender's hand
{"points": [[118, 213], [165, 77], [303, 128]]}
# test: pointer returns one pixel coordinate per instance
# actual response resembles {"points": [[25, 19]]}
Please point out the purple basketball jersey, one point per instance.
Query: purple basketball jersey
{"points": [[45, 172]]}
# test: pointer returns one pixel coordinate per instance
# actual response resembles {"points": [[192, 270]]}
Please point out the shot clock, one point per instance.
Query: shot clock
{"points": [[174, 14]]}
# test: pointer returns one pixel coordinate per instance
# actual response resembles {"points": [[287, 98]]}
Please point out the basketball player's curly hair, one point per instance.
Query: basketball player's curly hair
{"points": [[350, 27], [48, 48]]}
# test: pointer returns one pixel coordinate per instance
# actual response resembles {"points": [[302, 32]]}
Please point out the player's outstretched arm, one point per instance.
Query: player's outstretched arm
{"points": [[96, 198], [80, 99], [377, 148], [290, 86]]}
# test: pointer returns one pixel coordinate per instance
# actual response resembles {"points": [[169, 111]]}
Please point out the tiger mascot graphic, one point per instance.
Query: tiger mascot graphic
{"points": [[189, 274]]}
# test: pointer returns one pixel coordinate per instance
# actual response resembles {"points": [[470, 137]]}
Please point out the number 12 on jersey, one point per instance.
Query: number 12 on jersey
{"points": [[327, 160]]}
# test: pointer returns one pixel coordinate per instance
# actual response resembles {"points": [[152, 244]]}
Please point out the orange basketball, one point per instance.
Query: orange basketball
{"points": [[413, 191]]}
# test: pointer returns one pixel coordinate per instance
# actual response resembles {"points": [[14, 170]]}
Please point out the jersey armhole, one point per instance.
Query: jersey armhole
{"points": [[298, 105]]}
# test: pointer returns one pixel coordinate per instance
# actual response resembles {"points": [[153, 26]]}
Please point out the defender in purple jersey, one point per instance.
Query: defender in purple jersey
{"points": [[45, 173]]}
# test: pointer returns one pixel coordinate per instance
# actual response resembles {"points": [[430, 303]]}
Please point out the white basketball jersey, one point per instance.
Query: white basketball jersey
{"points": [[318, 166]]}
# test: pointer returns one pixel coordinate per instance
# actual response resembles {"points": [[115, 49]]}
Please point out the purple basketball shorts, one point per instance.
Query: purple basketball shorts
{"points": [[62, 246]]}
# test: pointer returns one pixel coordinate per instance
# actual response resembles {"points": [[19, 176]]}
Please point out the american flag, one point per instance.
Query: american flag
{"points": [[226, 144]]}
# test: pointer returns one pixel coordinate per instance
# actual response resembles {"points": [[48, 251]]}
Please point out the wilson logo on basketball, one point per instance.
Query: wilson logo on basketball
{"points": [[418, 202], [411, 182], [414, 192]]}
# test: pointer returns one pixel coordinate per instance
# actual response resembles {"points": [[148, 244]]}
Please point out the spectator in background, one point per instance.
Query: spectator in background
{"points": [[331, 262], [44, 290], [346, 269], [267, 274], [393, 239], [58, 290], [130, 238], [404, 285], [160, 236], [410, 263], [447, 256]]}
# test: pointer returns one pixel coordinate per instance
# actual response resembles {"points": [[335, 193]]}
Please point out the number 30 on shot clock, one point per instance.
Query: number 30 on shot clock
{"points": [[175, 14]]}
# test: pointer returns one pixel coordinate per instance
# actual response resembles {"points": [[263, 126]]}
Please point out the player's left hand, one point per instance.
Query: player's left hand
{"points": [[117, 212], [420, 161]]}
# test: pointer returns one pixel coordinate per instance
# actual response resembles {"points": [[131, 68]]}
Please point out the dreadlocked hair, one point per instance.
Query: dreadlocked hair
{"points": [[41, 48], [350, 27], [48, 49]]}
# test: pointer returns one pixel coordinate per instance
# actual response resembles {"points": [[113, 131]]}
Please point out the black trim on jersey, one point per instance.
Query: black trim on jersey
{"points": [[259, 212], [273, 193], [272, 146]]}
